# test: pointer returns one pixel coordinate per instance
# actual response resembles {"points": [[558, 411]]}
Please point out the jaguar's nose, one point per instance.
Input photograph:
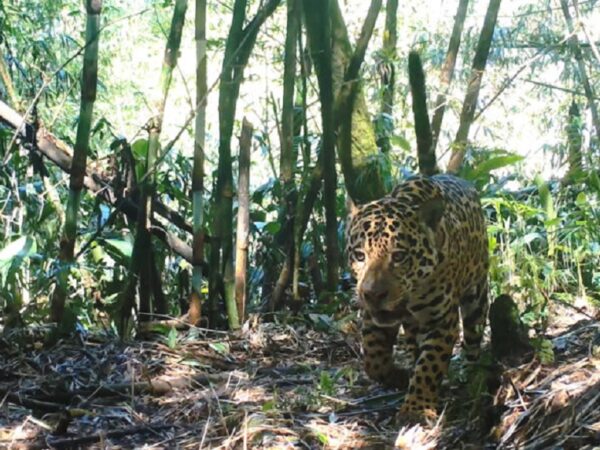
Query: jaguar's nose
{"points": [[375, 294]]}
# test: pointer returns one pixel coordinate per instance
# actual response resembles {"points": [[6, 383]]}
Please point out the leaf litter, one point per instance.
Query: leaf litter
{"points": [[278, 386]]}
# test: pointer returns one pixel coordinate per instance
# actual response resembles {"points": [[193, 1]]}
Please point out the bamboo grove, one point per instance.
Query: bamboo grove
{"points": [[213, 247]]}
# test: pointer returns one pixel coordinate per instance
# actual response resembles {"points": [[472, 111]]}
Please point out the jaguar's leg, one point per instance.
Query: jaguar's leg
{"points": [[378, 348], [435, 350], [411, 331], [474, 309]]}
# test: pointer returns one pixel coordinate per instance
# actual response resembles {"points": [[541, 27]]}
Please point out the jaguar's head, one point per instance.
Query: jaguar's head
{"points": [[392, 251]]}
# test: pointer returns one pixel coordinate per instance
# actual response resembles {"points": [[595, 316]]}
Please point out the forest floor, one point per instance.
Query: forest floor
{"points": [[277, 385]]}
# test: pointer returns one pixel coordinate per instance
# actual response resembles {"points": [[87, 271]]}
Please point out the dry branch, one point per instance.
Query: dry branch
{"points": [[59, 153]]}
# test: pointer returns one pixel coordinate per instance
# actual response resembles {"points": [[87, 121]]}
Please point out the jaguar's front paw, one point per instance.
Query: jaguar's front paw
{"points": [[411, 414]]}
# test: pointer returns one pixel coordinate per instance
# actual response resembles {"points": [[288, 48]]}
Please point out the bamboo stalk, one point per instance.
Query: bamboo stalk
{"points": [[238, 48], [448, 71], [319, 35], [573, 43], [142, 247], [425, 150], [243, 223], [198, 170], [289, 153], [89, 82], [470, 103], [387, 69]]}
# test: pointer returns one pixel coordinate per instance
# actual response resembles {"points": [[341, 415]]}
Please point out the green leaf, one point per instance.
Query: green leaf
{"points": [[194, 363], [326, 383], [494, 163], [220, 347], [172, 338], [544, 350], [581, 199], [530, 237], [272, 227], [119, 249], [400, 141], [139, 149], [13, 254], [323, 439], [269, 405]]}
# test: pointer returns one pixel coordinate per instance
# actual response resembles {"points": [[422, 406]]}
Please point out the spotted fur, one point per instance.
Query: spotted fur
{"points": [[419, 255]]}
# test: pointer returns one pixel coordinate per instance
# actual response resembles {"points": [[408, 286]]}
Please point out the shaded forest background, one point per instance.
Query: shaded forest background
{"points": [[219, 150]]}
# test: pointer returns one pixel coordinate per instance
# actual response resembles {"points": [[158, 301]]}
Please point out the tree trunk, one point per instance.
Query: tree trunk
{"points": [[448, 71], [364, 151], [576, 50], [198, 170], [387, 70], [141, 257], [289, 154], [470, 103], [243, 222], [319, 36], [89, 81], [238, 48], [344, 113], [425, 151]]}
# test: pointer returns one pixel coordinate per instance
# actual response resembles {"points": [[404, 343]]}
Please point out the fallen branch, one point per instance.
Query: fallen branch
{"points": [[60, 154], [76, 442]]}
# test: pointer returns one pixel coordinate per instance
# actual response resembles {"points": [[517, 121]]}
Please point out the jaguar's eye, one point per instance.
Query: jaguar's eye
{"points": [[399, 256], [360, 256]]}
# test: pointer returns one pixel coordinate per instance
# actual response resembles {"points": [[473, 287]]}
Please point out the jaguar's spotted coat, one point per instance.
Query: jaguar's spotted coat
{"points": [[418, 255]]}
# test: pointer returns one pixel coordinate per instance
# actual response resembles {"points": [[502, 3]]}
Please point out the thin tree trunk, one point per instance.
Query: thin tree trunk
{"points": [[243, 221], [289, 154], [303, 200], [448, 71], [364, 150], [470, 103], [344, 113], [238, 48], [142, 248], [89, 83], [319, 35], [574, 141], [575, 48], [195, 302], [425, 151], [304, 207], [387, 68]]}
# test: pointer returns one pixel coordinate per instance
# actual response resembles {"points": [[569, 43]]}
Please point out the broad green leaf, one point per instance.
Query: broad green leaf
{"points": [[220, 347], [139, 149], [494, 163], [12, 255], [400, 141], [272, 227], [19, 248], [530, 237], [581, 199], [123, 246], [269, 405]]}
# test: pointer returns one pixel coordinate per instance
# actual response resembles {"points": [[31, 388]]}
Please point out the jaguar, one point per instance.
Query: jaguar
{"points": [[420, 259]]}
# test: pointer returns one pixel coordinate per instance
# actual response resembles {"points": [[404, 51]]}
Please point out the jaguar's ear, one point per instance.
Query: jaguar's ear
{"points": [[351, 207], [431, 212]]}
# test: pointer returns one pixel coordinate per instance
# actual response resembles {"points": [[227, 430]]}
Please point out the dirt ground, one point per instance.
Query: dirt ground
{"points": [[283, 385]]}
